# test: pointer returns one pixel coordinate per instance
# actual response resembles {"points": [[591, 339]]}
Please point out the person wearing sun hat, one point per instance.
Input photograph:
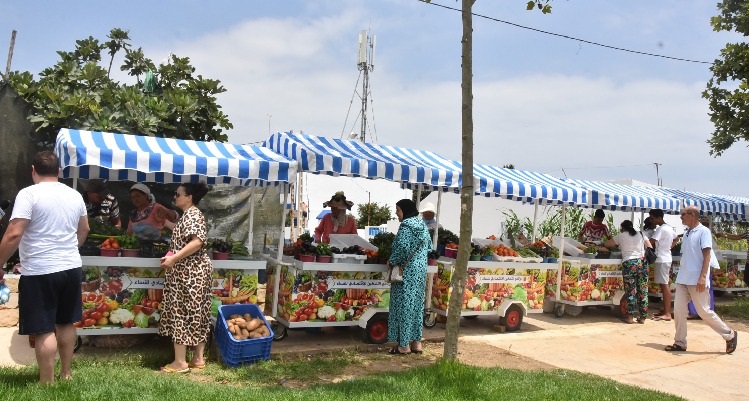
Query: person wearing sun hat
{"points": [[428, 213], [337, 221], [148, 217]]}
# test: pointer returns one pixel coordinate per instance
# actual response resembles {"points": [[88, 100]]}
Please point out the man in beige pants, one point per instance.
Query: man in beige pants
{"points": [[692, 282]]}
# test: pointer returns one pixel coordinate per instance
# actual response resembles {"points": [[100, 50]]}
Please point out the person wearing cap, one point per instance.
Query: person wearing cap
{"points": [[148, 217], [337, 221], [594, 230], [100, 204], [428, 213]]}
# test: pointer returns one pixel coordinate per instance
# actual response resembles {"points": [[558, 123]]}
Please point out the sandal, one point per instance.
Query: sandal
{"points": [[169, 369], [676, 348], [397, 351], [731, 344], [627, 320], [662, 318]]}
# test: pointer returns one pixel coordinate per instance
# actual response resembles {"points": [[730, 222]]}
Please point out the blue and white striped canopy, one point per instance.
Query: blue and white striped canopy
{"points": [[119, 157], [711, 205], [321, 155], [610, 196], [526, 186]]}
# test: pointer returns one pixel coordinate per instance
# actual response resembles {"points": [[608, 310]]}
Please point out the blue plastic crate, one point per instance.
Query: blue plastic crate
{"points": [[235, 352]]}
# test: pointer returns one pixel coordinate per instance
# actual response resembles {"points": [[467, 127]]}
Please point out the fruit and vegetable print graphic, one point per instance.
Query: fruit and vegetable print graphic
{"points": [[655, 288], [330, 296], [130, 297], [583, 282], [730, 274], [487, 288]]}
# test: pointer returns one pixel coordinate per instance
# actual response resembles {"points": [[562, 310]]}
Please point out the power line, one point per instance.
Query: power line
{"points": [[569, 37]]}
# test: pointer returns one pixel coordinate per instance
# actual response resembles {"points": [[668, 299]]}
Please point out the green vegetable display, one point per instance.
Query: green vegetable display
{"points": [[137, 296], [519, 293], [141, 320], [129, 241]]}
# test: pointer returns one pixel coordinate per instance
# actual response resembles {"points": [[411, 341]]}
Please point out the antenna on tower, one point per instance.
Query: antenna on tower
{"points": [[365, 64]]}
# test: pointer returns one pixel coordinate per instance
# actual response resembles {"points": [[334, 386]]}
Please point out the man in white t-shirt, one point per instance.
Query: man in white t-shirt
{"points": [[48, 224], [692, 283], [662, 240]]}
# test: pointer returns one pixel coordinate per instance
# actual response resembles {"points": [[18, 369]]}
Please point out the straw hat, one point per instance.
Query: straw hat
{"points": [[338, 201]]}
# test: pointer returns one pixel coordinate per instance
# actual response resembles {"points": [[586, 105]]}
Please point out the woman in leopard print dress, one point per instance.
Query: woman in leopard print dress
{"points": [[186, 311]]}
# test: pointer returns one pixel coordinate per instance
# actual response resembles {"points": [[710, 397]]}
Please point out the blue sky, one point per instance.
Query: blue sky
{"points": [[542, 102]]}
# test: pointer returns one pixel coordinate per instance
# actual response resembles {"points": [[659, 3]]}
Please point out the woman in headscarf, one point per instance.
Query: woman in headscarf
{"points": [[148, 217], [409, 250], [337, 221]]}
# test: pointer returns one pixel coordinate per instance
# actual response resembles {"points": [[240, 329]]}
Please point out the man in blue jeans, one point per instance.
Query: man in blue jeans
{"points": [[48, 224], [692, 283]]}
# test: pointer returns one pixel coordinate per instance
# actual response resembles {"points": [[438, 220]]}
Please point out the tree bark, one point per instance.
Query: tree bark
{"points": [[466, 192]]}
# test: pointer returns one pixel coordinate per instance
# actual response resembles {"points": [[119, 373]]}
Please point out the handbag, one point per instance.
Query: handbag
{"points": [[395, 273], [650, 255]]}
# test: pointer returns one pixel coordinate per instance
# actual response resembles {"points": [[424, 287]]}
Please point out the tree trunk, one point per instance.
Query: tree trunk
{"points": [[466, 192]]}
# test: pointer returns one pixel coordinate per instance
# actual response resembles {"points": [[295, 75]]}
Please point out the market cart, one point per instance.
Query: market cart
{"points": [[349, 292], [729, 277], [112, 285]]}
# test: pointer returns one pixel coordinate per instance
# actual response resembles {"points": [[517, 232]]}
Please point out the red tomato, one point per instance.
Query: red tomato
{"points": [[302, 317], [102, 307], [89, 322], [293, 319], [78, 325], [137, 309], [145, 302], [95, 316], [308, 311]]}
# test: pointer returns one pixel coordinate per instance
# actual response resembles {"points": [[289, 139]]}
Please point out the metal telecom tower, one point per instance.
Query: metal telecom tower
{"points": [[365, 63]]}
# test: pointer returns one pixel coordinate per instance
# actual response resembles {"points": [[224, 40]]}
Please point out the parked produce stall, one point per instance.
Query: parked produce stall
{"points": [[354, 292], [504, 279], [729, 277], [122, 294]]}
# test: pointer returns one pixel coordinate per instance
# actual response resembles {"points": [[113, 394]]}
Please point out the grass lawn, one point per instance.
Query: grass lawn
{"points": [[739, 308], [132, 376]]}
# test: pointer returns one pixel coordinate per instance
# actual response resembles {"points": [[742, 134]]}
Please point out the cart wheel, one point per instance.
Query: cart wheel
{"points": [[78, 343], [377, 329], [622, 310], [430, 319], [559, 310], [512, 319], [279, 331], [573, 310], [470, 317]]}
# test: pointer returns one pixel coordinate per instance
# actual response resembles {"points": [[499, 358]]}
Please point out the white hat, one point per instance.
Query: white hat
{"points": [[427, 207], [142, 188]]}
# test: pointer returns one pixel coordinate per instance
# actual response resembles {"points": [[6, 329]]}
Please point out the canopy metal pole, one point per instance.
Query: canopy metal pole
{"points": [[436, 231], [251, 232], [642, 219], [277, 276], [632, 216], [535, 218], [418, 197], [561, 253]]}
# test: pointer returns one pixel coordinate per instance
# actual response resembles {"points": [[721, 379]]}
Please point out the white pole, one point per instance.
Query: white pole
{"points": [[535, 218], [561, 253], [251, 232], [418, 197], [642, 219], [436, 231]]}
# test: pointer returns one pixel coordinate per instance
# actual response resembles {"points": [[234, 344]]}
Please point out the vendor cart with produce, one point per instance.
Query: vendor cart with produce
{"points": [[123, 283], [305, 292], [729, 277]]}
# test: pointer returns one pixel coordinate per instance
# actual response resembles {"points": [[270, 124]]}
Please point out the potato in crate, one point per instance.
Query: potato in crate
{"points": [[243, 336]]}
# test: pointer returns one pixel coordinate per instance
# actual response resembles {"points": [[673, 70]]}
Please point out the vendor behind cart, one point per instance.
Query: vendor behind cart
{"points": [[594, 231], [337, 221], [101, 204], [148, 217]]}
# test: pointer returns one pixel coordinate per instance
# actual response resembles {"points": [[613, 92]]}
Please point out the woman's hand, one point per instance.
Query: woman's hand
{"points": [[167, 262]]}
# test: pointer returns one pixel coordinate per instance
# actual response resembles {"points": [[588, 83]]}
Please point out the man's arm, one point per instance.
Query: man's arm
{"points": [[83, 230], [12, 238], [734, 237]]}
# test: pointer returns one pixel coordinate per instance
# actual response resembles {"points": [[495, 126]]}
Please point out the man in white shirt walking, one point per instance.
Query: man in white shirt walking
{"points": [[48, 224], [662, 240], [692, 282]]}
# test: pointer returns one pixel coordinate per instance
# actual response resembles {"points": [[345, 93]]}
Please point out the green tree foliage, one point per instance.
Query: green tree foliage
{"points": [[728, 90], [78, 92], [378, 214]]}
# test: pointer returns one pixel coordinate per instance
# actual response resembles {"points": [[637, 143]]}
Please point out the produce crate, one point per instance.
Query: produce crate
{"points": [[244, 352], [348, 258], [347, 240], [153, 249]]}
